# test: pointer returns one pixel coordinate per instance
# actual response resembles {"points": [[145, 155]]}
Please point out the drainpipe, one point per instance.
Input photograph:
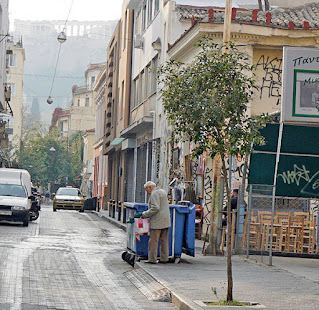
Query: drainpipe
{"points": [[146, 173], [134, 172], [153, 148]]}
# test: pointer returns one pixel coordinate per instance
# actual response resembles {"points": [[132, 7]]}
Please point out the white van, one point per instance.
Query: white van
{"points": [[15, 195]]}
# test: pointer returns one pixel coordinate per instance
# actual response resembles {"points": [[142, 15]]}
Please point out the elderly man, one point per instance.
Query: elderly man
{"points": [[158, 212]]}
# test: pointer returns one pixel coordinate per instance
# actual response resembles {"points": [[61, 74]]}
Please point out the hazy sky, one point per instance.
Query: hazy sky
{"points": [[58, 9]]}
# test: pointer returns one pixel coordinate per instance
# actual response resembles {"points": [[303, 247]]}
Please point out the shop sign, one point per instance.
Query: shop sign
{"points": [[300, 91]]}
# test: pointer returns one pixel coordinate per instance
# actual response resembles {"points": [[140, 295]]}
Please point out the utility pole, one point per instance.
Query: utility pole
{"points": [[227, 21], [226, 39]]}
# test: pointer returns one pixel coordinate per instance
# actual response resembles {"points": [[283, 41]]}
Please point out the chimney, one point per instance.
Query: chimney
{"points": [[291, 25], [254, 16], [268, 18]]}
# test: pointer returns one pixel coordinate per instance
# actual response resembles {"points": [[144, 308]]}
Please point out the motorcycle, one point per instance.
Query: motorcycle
{"points": [[34, 211], [35, 206]]}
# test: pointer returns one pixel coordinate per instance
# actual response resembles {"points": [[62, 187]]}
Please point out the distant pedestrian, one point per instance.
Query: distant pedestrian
{"points": [[233, 203], [158, 212], [47, 197]]}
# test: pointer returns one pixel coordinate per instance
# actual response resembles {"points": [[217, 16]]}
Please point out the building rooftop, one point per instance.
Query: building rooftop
{"points": [[286, 18]]}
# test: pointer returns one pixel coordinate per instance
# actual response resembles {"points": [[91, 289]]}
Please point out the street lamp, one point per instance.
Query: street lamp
{"points": [[61, 37]]}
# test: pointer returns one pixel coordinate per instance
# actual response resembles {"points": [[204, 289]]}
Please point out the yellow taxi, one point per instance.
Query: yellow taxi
{"points": [[68, 198]]}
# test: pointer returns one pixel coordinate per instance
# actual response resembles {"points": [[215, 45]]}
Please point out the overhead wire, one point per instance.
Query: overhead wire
{"points": [[59, 51], [46, 76]]}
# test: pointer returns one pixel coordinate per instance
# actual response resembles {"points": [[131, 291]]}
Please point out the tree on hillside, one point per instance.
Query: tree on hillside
{"points": [[206, 103]]}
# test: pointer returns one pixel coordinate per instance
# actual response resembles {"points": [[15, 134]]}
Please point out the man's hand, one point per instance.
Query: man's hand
{"points": [[142, 216]]}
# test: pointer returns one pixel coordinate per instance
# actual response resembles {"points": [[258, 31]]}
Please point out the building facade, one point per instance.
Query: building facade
{"points": [[262, 36], [88, 160], [4, 29], [100, 160], [117, 112], [80, 115], [15, 70]]}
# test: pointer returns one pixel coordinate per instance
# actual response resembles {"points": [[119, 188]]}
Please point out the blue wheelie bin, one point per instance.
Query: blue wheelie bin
{"points": [[182, 231], [138, 248]]}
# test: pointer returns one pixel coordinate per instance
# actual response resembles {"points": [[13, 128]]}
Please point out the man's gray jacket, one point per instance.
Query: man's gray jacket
{"points": [[158, 209]]}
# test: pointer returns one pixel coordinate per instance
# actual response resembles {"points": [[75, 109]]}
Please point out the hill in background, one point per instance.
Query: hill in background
{"points": [[86, 43]]}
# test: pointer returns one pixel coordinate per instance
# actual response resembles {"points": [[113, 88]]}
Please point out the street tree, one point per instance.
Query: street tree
{"points": [[49, 158], [206, 103]]}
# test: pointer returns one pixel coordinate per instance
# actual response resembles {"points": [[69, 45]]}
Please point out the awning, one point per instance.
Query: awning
{"points": [[142, 125], [117, 141]]}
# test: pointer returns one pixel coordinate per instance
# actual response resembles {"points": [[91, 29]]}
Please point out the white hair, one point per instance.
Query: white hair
{"points": [[149, 183]]}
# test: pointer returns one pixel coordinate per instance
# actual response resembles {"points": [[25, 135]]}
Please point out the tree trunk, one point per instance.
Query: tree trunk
{"points": [[213, 180], [260, 5], [267, 6], [229, 254]]}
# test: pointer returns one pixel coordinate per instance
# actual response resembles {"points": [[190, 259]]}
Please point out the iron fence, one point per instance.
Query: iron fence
{"points": [[290, 227]]}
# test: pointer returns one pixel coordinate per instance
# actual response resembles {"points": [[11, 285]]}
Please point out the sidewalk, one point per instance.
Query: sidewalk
{"points": [[292, 283]]}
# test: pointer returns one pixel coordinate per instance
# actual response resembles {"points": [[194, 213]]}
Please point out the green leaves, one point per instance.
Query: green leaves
{"points": [[47, 166], [206, 101]]}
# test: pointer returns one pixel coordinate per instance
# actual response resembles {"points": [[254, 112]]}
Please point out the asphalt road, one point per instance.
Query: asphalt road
{"points": [[66, 260]]}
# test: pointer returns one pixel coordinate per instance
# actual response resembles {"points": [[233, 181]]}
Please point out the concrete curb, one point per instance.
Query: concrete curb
{"points": [[179, 300], [110, 220]]}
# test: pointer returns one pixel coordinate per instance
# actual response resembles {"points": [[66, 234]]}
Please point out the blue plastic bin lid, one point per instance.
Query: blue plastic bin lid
{"points": [[139, 207], [180, 209]]}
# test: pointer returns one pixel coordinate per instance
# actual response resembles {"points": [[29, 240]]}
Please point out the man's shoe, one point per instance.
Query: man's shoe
{"points": [[163, 262], [151, 262]]}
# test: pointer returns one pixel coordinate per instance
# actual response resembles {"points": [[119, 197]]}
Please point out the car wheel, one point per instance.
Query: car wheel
{"points": [[26, 222], [54, 210], [81, 210]]}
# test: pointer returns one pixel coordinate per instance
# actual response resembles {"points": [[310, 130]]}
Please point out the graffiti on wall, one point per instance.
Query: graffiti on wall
{"points": [[194, 165], [238, 170], [208, 193], [271, 77]]}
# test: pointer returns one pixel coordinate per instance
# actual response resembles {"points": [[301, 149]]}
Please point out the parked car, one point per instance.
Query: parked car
{"points": [[68, 198], [15, 195]]}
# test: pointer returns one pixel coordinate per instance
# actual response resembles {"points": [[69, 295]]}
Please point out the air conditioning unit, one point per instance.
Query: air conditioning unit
{"points": [[138, 41]]}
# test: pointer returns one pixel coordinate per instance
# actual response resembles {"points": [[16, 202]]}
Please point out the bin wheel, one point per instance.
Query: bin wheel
{"points": [[177, 260], [129, 258], [124, 255]]}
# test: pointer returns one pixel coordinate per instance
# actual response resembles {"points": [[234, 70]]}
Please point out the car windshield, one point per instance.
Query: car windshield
{"points": [[12, 190], [68, 192]]}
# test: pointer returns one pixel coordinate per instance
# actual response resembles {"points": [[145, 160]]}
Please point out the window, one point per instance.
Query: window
{"points": [[142, 86], [144, 17], [11, 60], [124, 31], [87, 102], [156, 9], [78, 102], [138, 23], [92, 81], [122, 98], [136, 92], [68, 191], [150, 10], [175, 158], [12, 190]]}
